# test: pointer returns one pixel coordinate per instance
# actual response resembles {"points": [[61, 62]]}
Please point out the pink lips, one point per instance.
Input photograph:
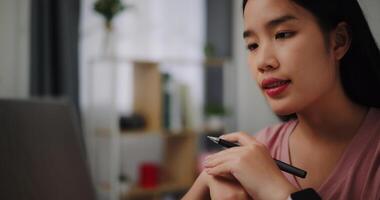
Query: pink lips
{"points": [[274, 86]]}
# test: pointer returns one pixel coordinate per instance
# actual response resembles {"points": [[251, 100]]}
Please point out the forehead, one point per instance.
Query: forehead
{"points": [[259, 12]]}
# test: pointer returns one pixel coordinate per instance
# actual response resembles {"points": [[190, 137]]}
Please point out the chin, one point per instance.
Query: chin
{"points": [[282, 109]]}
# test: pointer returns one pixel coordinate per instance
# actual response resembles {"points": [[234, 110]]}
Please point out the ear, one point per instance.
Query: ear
{"points": [[341, 40]]}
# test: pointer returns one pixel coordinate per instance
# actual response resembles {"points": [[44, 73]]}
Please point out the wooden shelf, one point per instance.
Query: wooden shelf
{"points": [[178, 170], [214, 62], [178, 167], [147, 93]]}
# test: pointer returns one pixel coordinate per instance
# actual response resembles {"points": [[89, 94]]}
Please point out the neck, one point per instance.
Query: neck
{"points": [[330, 120]]}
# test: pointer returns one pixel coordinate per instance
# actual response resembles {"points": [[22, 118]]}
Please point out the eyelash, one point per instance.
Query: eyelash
{"points": [[278, 36], [285, 34], [252, 47]]}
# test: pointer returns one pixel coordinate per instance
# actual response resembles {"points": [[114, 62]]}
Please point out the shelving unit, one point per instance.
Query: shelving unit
{"points": [[178, 170], [179, 152], [178, 162], [147, 93]]}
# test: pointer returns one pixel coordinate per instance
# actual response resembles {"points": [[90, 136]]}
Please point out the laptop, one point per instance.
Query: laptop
{"points": [[42, 156]]}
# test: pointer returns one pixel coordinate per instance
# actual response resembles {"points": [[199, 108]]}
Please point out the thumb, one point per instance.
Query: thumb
{"points": [[239, 137]]}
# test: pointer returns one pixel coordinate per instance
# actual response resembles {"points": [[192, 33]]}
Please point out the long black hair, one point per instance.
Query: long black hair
{"points": [[360, 67]]}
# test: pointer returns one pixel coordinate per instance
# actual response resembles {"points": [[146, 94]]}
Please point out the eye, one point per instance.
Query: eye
{"points": [[284, 35], [252, 47]]}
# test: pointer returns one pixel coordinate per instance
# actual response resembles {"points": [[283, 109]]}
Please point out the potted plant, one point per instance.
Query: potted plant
{"points": [[109, 9], [215, 114]]}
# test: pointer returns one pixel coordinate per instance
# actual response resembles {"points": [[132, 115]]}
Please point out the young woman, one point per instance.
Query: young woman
{"points": [[315, 60]]}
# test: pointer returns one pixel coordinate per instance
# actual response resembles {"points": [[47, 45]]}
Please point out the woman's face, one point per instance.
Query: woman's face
{"points": [[288, 55]]}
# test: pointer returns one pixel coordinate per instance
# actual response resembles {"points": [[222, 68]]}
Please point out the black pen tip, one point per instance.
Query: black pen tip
{"points": [[214, 139]]}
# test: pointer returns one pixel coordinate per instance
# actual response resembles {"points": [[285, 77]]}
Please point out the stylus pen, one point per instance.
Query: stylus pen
{"points": [[283, 166]]}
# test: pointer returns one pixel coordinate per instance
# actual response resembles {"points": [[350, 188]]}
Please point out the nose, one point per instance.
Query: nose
{"points": [[266, 60]]}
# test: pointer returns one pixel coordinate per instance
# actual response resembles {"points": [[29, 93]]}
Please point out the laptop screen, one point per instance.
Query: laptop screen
{"points": [[41, 152]]}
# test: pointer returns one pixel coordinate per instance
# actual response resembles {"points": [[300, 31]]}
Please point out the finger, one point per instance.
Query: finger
{"points": [[240, 137], [220, 170], [217, 159], [223, 153], [228, 177]]}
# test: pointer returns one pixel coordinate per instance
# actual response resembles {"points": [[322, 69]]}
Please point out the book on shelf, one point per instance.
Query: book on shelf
{"points": [[175, 115]]}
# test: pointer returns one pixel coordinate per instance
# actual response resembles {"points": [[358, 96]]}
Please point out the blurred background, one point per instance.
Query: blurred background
{"points": [[150, 79]]}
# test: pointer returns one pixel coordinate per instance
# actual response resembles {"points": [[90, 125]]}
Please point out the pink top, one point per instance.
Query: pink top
{"points": [[356, 175]]}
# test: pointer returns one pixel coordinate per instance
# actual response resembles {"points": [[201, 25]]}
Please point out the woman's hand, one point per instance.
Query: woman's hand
{"points": [[252, 165], [199, 189], [226, 189], [218, 188]]}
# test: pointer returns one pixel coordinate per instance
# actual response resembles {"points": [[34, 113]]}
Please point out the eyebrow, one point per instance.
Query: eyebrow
{"points": [[272, 23]]}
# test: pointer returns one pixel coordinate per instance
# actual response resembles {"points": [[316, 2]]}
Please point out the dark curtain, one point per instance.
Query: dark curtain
{"points": [[54, 49]]}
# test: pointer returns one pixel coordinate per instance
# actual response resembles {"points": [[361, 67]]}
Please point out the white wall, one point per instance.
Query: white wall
{"points": [[252, 111], [371, 9], [14, 48]]}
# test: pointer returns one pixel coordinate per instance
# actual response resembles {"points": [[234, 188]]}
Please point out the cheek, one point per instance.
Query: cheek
{"points": [[306, 58], [312, 71], [315, 79]]}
